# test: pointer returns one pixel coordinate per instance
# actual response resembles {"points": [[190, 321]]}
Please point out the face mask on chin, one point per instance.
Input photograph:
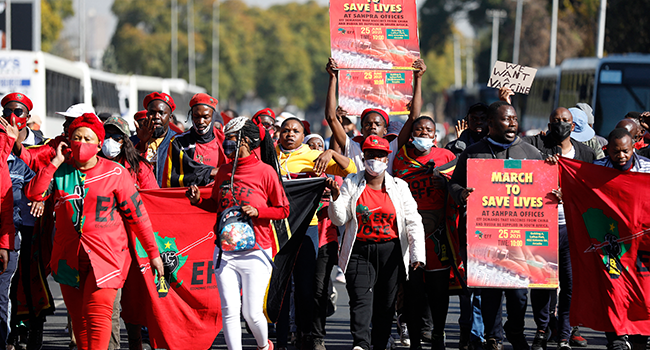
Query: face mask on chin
{"points": [[422, 144]]}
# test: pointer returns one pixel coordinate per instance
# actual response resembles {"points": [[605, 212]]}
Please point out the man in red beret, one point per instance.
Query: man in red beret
{"points": [[374, 121], [153, 132], [194, 156]]}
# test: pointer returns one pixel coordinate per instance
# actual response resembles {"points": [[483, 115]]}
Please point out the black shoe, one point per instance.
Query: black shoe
{"points": [[621, 343], [518, 341], [493, 344], [476, 345], [563, 345], [539, 342], [463, 342], [577, 339], [438, 341]]}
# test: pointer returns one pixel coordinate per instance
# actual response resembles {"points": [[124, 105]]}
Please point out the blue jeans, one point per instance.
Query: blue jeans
{"points": [[470, 314], [492, 299]]}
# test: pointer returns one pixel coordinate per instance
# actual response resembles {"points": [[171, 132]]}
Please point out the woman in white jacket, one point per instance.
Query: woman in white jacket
{"points": [[383, 234]]}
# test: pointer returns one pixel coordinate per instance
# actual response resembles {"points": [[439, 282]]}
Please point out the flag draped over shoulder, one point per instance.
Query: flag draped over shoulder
{"points": [[304, 196], [608, 223], [186, 310]]}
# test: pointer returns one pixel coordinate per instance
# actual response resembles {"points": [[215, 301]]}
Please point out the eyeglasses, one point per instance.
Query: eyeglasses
{"points": [[17, 112], [116, 137]]}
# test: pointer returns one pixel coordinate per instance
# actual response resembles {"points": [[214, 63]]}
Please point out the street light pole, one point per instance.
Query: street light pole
{"points": [[515, 49], [496, 16], [215, 49], [553, 47], [191, 66], [174, 39], [601, 28]]}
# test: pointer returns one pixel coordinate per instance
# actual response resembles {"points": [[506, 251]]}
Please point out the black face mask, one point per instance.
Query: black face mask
{"points": [[559, 130]]}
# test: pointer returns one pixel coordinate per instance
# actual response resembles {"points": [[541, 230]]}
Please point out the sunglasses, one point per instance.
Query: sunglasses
{"points": [[8, 112], [116, 137]]}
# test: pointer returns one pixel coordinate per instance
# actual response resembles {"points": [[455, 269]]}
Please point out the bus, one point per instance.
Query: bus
{"points": [[54, 84], [613, 86]]}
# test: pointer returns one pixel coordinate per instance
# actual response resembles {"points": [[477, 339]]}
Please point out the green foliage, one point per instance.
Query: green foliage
{"points": [[53, 13], [273, 53]]}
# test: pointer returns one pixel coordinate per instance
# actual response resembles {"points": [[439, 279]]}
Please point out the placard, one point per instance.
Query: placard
{"points": [[512, 224], [375, 34], [517, 77], [387, 90]]}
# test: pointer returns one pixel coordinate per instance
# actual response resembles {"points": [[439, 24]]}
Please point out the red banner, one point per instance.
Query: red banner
{"points": [[512, 224], [387, 90], [377, 34], [186, 310], [608, 225]]}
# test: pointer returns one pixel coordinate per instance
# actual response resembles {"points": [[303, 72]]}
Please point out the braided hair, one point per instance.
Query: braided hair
{"points": [[252, 135]]}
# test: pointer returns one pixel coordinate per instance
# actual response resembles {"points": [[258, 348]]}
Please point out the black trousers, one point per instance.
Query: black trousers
{"points": [[327, 258], [541, 299], [303, 277], [373, 273], [431, 286], [491, 305]]}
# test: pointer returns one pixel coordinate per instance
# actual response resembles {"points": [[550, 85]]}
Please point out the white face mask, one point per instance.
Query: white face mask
{"points": [[375, 167], [111, 148], [422, 144]]}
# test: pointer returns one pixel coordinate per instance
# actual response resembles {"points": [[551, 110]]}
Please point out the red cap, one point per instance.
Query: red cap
{"points": [[225, 117], [378, 111], [307, 127], [18, 97], [91, 121], [204, 99], [139, 115], [265, 111], [376, 142], [159, 96]]}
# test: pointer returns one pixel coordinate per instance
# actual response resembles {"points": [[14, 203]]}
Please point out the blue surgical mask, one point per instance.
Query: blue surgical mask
{"points": [[422, 144], [229, 147]]}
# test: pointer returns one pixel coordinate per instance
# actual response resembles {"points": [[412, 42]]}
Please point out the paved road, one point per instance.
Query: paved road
{"points": [[338, 328]]}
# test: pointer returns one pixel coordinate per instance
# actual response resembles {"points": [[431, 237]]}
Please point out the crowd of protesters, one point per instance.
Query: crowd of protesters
{"points": [[386, 190]]}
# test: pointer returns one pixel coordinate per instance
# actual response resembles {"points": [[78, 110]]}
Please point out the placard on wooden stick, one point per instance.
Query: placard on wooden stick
{"points": [[517, 77]]}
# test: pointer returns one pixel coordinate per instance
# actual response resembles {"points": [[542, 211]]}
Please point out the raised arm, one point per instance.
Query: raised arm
{"points": [[338, 133], [416, 103]]}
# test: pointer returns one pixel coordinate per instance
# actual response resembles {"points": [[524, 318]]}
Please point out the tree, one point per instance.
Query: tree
{"points": [[627, 28], [53, 13]]}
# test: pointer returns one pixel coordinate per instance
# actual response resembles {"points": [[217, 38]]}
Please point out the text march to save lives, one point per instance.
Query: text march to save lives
{"points": [[512, 224]]}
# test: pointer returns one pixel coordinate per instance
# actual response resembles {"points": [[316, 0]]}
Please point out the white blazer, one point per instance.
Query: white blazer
{"points": [[409, 222]]}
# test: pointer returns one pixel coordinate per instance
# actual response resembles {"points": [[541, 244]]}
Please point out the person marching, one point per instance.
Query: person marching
{"points": [[415, 164], [254, 185], [90, 249], [195, 155], [314, 261], [383, 236]]}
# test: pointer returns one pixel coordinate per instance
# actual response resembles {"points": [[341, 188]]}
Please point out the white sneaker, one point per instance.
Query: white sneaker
{"points": [[340, 276], [358, 348]]}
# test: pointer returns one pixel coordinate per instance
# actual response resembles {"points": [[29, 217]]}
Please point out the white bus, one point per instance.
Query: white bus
{"points": [[54, 84]]}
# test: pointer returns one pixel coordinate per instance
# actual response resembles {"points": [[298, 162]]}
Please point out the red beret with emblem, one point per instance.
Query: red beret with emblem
{"points": [[266, 111], [159, 96], [204, 99], [139, 115], [18, 97], [381, 112], [376, 142]]}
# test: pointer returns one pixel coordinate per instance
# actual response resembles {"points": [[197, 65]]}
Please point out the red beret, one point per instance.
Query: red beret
{"points": [[139, 115], [225, 117], [307, 127], [381, 112], [91, 121], [376, 142], [265, 111], [18, 97], [159, 96], [204, 99]]}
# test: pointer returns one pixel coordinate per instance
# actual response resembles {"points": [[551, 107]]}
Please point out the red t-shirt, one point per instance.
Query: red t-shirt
{"points": [[376, 216], [412, 169], [256, 184]]}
